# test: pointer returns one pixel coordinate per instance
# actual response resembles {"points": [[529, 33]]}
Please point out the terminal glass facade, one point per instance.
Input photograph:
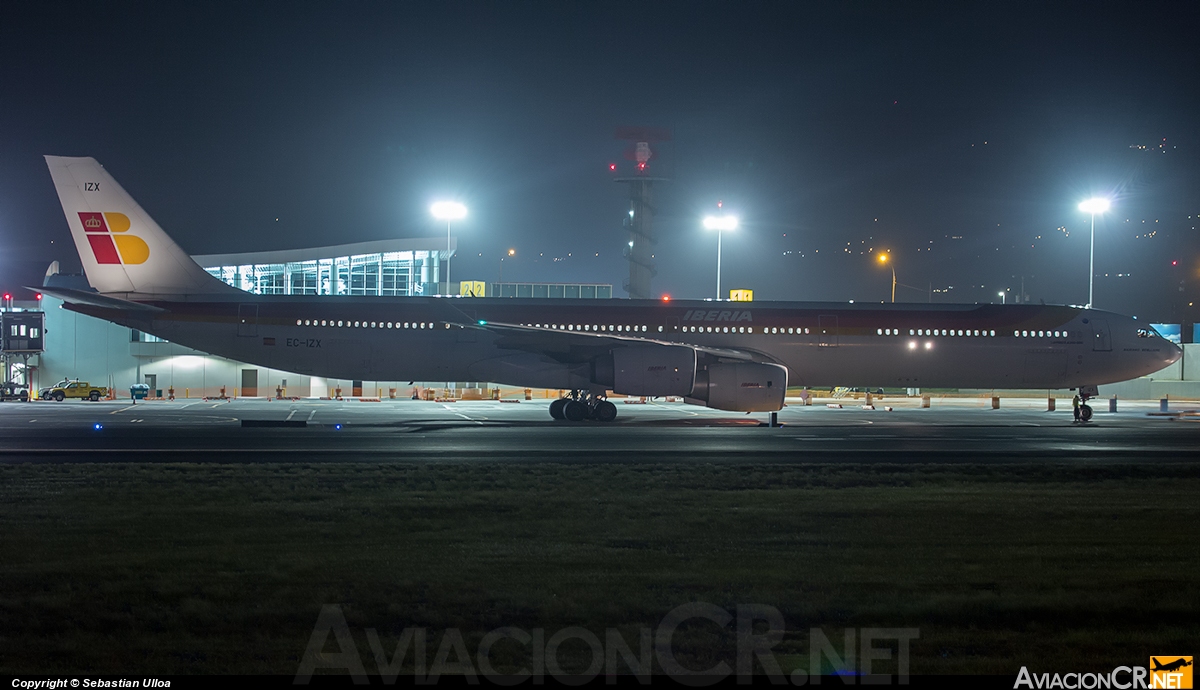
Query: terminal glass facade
{"points": [[389, 274]]}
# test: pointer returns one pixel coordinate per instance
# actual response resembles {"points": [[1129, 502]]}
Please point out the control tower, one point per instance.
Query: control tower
{"points": [[639, 250]]}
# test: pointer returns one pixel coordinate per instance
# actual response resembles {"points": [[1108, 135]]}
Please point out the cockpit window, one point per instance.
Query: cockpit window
{"points": [[1146, 333]]}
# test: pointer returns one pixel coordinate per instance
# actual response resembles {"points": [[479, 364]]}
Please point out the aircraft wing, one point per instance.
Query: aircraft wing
{"points": [[581, 346]]}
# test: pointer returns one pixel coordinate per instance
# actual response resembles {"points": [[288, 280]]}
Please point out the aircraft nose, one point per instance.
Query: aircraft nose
{"points": [[1174, 353]]}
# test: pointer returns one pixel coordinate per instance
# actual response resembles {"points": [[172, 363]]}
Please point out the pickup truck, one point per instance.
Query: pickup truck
{"points": [[73, 389]]}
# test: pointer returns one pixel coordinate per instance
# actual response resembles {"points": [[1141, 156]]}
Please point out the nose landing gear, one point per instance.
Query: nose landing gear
{"points": [[581, 405]]}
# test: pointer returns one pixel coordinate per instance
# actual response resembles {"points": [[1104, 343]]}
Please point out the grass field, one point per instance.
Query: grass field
{"points": [[223, 568]]}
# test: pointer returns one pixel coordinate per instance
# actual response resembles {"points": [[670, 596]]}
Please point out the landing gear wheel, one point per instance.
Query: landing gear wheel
{"points": [[604, 411], [556, 408], [1085, 413], [575, 411]]}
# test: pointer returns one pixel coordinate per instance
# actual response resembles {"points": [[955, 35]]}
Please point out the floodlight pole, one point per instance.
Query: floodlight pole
{"points": [[1092, 261], [447, 256], [718, 264]]}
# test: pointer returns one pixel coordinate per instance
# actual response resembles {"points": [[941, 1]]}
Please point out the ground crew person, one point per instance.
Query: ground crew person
{"points": [[1075, 404]]}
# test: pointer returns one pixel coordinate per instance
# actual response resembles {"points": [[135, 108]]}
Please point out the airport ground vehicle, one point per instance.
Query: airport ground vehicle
{"points": [[13, 391], [81, 390]]}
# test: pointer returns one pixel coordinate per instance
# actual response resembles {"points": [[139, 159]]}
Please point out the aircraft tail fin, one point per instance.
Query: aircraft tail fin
{"points": [[122, 249]]}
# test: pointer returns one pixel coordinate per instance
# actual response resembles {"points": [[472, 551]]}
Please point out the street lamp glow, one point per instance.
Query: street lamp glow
{"points": [[720, 224], [1093, 206], [883, 259], [448, 211], [1003, 297]]}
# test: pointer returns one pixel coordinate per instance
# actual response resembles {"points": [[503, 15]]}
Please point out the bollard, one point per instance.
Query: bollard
{"points": [[391, 394], [529, 394], [995, 402], [868, 401], [186, 392], [1050, 402], [1112, 404], [1162, 405], [924, 401]]}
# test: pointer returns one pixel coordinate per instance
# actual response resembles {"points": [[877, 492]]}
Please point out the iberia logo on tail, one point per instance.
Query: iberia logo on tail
{"points": [[108, 245]]}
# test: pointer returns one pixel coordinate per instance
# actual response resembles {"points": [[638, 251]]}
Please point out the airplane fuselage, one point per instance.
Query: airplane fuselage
{"points": [[820, 344]]}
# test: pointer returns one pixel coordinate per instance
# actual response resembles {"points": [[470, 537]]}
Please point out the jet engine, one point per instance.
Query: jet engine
{"points": [[653, 370], [741, 387]]}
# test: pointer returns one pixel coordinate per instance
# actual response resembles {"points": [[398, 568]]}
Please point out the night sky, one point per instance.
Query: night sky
{"points": [[961, 137]]}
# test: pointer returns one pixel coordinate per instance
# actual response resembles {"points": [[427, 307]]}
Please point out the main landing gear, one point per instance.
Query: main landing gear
{"points": [[1085, 410], [581, 405]]}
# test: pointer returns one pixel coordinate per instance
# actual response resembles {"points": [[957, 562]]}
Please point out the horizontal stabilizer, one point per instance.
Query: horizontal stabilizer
{"points": [[94, 299]]}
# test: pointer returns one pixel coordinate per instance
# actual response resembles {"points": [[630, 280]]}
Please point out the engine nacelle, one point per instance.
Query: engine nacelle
{"points": [[654, 370], [741, 387]]}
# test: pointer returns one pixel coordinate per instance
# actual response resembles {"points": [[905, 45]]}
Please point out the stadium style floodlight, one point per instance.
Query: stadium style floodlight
{"points": [[448, 211], [720, 224], [1093, 206]]}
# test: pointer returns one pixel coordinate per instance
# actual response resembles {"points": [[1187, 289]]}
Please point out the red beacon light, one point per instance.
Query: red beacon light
{"points": [[612, 167], [666, 298], [38, 297]]}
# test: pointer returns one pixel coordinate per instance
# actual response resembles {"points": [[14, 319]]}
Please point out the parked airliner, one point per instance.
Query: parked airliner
{"points": [[726, 355]]}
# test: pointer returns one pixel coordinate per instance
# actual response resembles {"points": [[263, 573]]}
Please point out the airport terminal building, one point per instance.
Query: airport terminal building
{"points": [[103, 353]]}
